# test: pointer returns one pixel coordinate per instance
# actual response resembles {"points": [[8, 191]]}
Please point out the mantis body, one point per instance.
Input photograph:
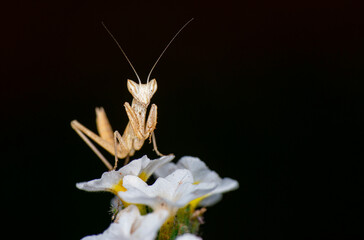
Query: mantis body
{"points": [[139, 127]]}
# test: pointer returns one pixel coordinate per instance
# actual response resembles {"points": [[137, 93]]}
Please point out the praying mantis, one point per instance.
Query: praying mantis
{"points": [[139, 128]]}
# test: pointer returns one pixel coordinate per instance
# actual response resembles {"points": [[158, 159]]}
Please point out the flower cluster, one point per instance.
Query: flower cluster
{"points": [[170, 208]]}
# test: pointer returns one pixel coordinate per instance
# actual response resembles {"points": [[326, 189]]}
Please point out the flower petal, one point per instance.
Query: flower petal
{"points": [[201, 174], [165, 170], [188, 236], [130, 225], [174, 191], [152, 165], [105, 183], [112, 181]]}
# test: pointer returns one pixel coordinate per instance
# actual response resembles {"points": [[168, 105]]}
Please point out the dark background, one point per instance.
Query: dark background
{"points": [[265, 92]]}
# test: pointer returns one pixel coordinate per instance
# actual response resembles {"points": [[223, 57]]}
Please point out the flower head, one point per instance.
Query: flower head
{"points": [[172, 192], [130, 225], [201, 174], [112, 181]]}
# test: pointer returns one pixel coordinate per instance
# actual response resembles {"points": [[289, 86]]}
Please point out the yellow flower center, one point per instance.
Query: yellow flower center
{"points": [[143, 176], [119, 186], [195, 202]]}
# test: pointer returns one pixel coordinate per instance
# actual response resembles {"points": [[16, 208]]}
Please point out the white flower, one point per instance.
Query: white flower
{"points": [[112, 181], [130, 225], [188, 236], [201, 174], [172, 192]]}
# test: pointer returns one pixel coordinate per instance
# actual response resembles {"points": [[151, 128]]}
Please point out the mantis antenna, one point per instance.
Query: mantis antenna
{"points": [[151, 70], [131, 65]]}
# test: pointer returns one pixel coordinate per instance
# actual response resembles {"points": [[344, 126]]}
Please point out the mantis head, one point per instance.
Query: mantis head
{"points": [[142, 92]]}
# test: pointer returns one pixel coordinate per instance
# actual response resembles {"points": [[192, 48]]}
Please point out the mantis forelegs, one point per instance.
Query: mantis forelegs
{"points": [[143, 133]]}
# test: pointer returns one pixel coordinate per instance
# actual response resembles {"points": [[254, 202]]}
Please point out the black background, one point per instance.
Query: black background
{"points": [[265, 92]]}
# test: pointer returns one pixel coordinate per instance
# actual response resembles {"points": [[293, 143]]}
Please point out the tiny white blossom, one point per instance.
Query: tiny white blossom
{"points": [[172, 192], [188, 236], [112, 181], [130, 225], [201, 174]]}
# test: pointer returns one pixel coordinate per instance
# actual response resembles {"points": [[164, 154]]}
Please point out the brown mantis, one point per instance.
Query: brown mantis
{"points": [[138, 128]]}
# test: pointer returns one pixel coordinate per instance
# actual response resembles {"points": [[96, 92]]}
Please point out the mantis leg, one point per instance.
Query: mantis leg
{"points": [[80, 130], [155, 146], [103, 125], [85, 133], [122, 144], [152, 121], [151, 125], [133, 120]]}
